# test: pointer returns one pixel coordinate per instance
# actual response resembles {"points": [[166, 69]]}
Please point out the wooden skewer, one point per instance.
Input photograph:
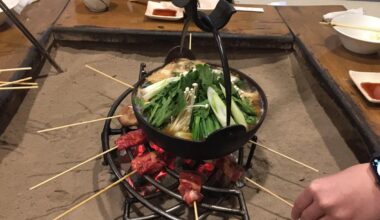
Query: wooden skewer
{"points": [[285, 156], [95, 195], [351, 26], [72, 168], [108, 76], [22, 83], [19, 87], [15, 82], [15, 69], [78, 123], [269, 192], [195, 210], [190, 41]]}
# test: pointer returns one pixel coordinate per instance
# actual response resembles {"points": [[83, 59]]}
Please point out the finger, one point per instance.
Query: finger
{"points": [[312, 212], [303, 201]]}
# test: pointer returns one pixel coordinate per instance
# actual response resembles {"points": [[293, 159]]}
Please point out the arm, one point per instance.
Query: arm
{"points": [[349, 194]]}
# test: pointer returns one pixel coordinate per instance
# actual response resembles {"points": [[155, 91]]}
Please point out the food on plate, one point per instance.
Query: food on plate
{"points": [[165, 12], [186, 99], [372, 89], [148, 163], [130, 139], [128, 118], [190, 184]]}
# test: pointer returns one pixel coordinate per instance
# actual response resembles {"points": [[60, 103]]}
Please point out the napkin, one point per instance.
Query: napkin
{"points": [[329, 16], [22, 4]]}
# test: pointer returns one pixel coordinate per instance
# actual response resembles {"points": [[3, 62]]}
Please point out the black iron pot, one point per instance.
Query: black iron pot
{"points": [[218, 144]]}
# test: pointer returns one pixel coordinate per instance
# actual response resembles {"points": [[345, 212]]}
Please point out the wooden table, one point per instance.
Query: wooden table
{"points": [[322, 48], [121, 24]]}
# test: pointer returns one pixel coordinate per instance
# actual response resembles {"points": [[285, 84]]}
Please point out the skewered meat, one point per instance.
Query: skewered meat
{"points": [[148, 163], [128, 118], [130, 139], [190, 187]]}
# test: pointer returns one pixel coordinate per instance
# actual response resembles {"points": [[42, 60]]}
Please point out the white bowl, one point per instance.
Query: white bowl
{"points": [[355, 40], [97, 5], [11, 4]]}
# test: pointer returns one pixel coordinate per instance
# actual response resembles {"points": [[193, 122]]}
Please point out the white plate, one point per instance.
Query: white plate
{"points": [[362, 77], [163, 5]]}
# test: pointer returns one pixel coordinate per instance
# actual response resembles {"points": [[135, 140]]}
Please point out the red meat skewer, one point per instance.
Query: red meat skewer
{"points": [[147, 163], [131, 139], [190, 187]]}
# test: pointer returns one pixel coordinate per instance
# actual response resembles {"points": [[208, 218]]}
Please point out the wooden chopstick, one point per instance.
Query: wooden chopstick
{"points": [[15, 69], [15, 82], [95, 195], [350, 26], [22, 83], [72, 168], [108, 76], [285, 156], [78, 123], [269, 192], [18, 87], [195, 210]]}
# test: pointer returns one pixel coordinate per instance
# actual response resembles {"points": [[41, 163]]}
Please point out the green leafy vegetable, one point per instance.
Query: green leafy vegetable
{"points": [[165, 104], [203, 123], [152, 90]]}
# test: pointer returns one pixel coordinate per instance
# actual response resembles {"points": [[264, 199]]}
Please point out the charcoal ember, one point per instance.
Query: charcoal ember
{"points": [[141, 186], [136, 152], [190, 184], [228, 171], [206, 169], [156, 148], [131, 139], [148, 163], [138, 181], [160, 176]]}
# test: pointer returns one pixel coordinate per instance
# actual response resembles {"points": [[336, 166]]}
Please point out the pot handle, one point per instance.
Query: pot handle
{"points": [[217, 19]]}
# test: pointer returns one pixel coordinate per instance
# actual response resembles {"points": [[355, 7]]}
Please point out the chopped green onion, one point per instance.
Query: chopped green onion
{"points": [[218, 107], [235, 110], [152, 90]]}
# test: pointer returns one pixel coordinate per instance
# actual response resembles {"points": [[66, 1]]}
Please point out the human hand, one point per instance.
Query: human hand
{"points": [[350, 194]]}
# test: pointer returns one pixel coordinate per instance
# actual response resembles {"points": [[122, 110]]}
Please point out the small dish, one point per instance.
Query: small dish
{"points": [[361, 78], [151, 6]]}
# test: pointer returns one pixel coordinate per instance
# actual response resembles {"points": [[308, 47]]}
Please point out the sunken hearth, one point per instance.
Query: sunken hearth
{"points": [[155, 196]]}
